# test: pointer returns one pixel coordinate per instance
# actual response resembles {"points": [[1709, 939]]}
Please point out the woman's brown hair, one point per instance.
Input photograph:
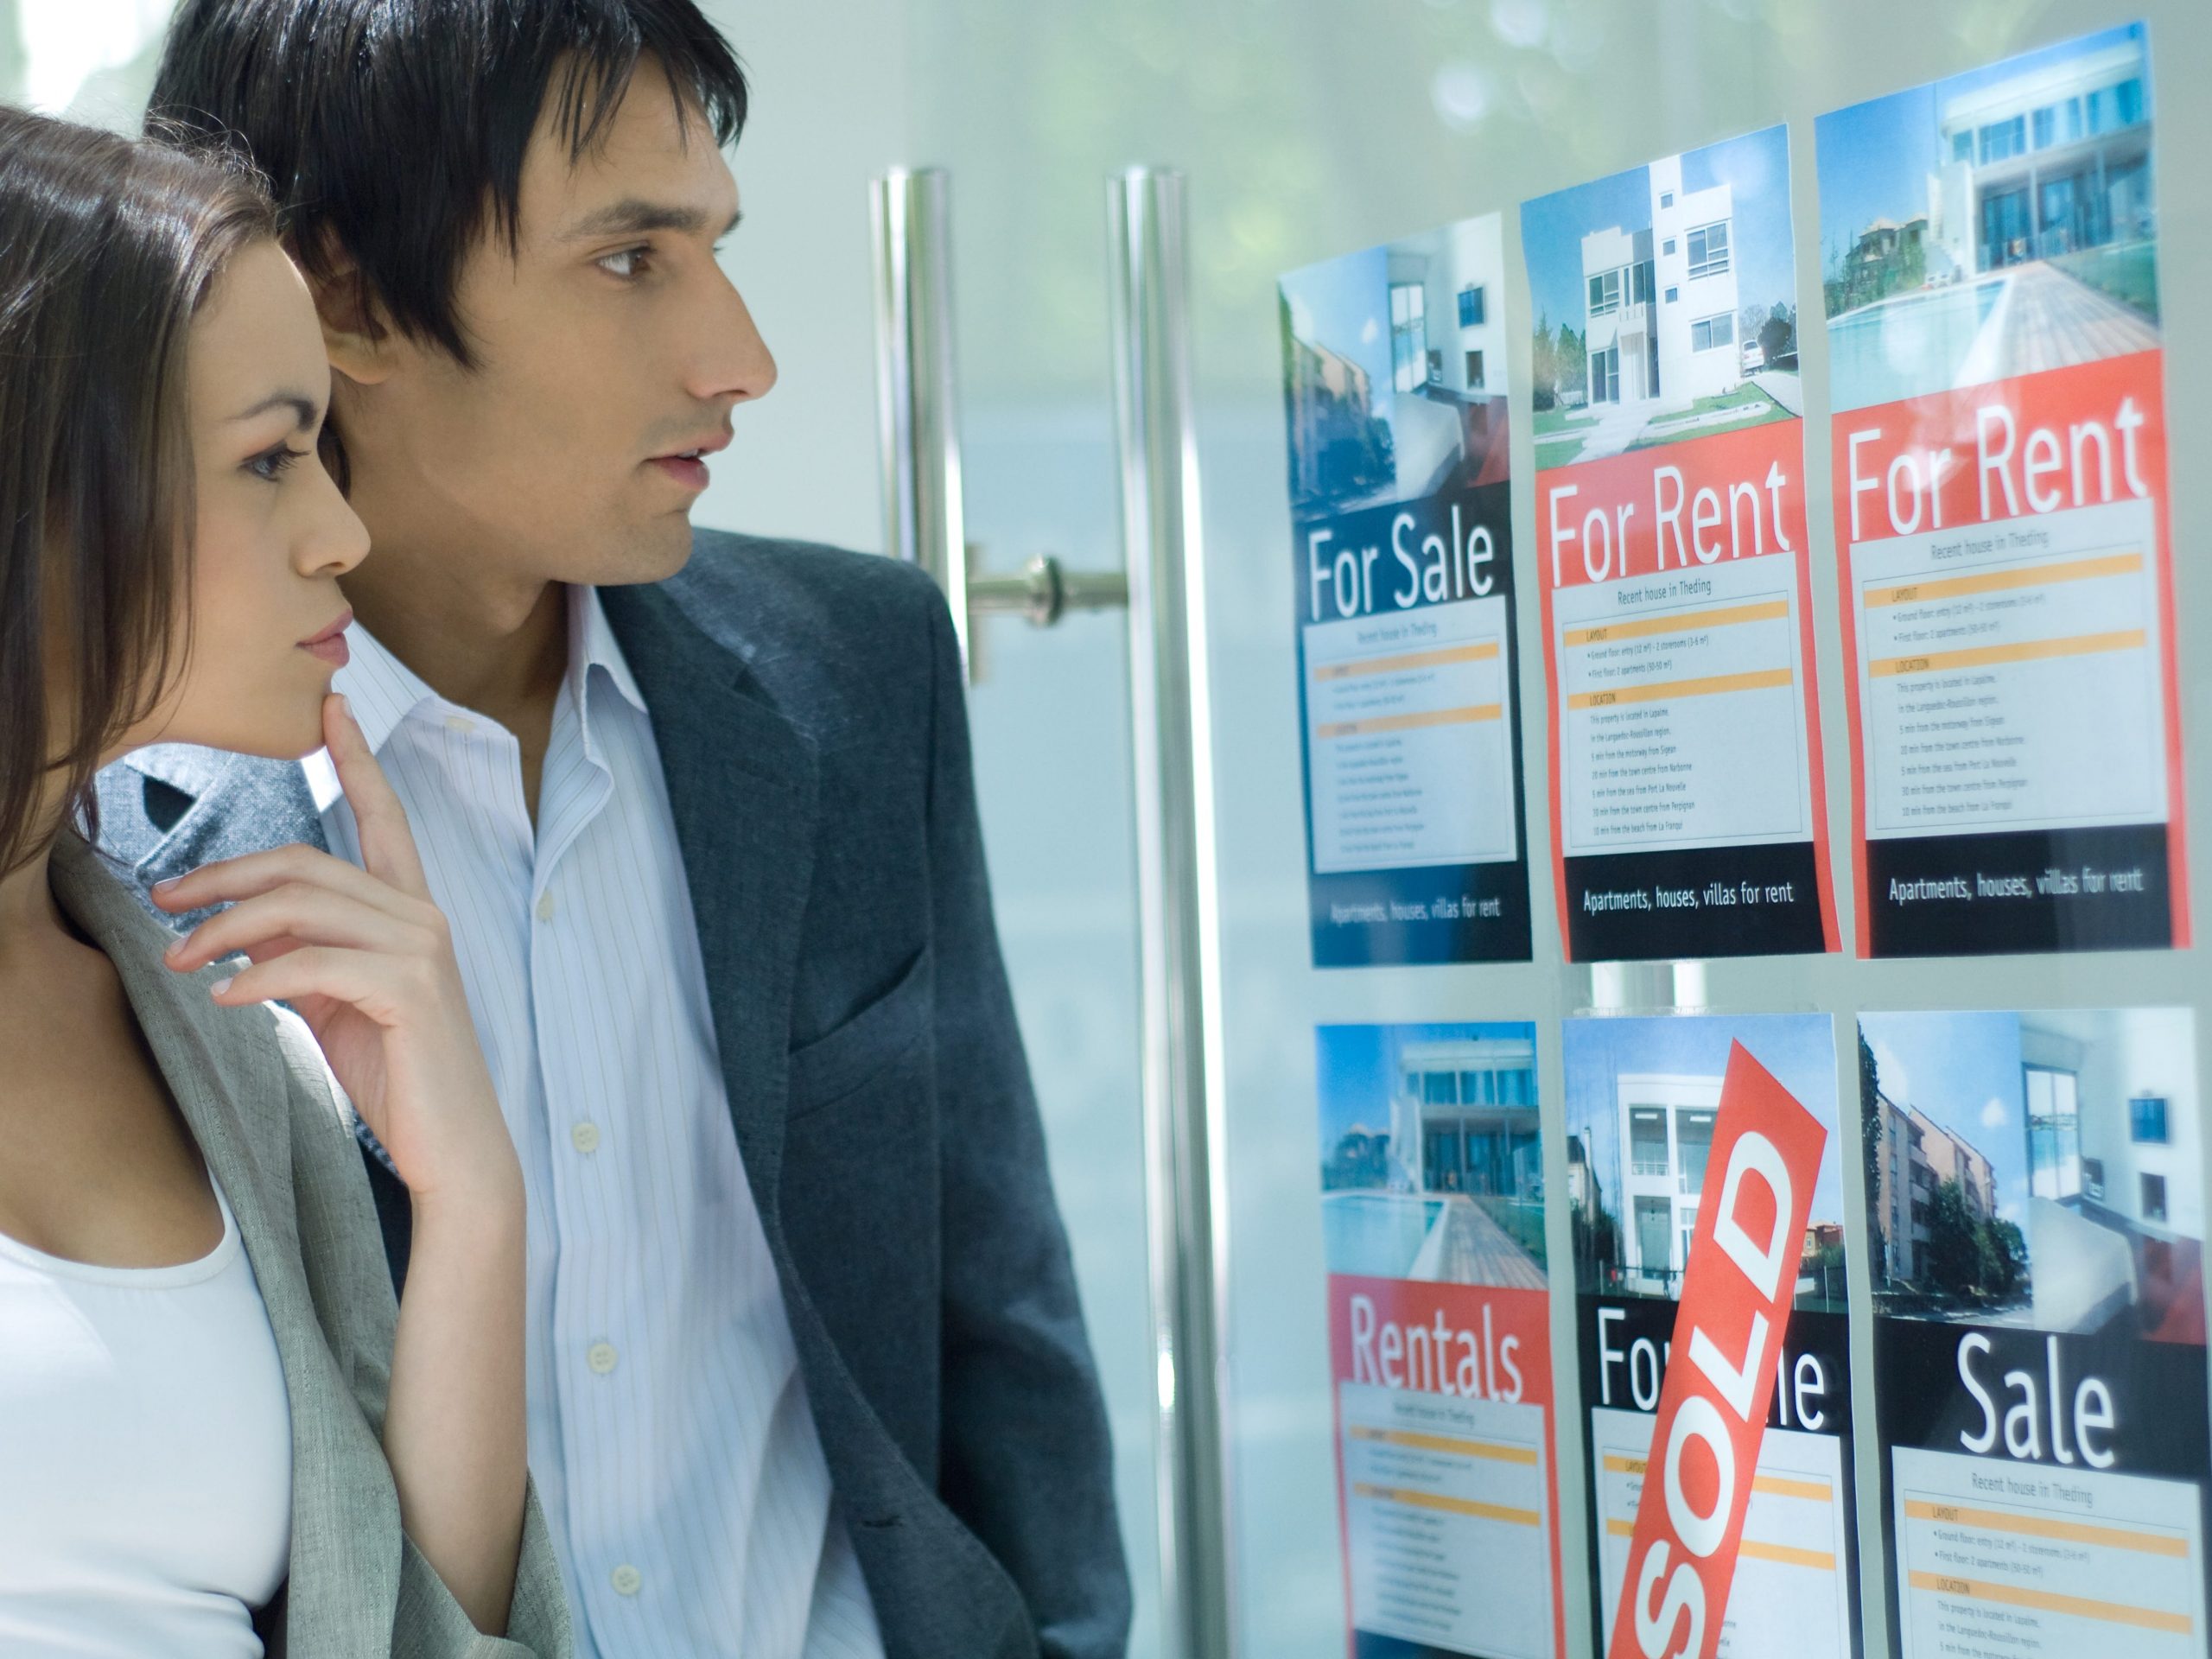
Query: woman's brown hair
{"points": [[108, 246]]}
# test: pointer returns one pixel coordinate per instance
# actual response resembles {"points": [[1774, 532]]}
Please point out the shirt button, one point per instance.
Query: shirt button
{"points": [[586, 1137], [627, 1580], [600, 1357], [460, 723], [545, 907]]}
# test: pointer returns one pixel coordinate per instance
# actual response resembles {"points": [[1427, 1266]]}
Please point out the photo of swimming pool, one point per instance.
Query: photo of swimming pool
{"points": [[1908, 345], [1432, 1166]]}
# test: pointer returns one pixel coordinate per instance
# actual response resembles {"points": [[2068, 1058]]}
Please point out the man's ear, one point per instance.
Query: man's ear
{"points": [[356, 336]]}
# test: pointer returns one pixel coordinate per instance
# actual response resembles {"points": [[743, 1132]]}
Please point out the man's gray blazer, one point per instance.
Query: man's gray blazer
{"points": [[809, 708]]}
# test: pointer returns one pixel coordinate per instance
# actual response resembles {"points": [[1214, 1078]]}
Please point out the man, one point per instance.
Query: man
{"points": [[808, 1379]]}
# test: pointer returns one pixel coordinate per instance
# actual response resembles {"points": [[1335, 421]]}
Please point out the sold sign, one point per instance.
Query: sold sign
{"points": [[1736, 1290]]}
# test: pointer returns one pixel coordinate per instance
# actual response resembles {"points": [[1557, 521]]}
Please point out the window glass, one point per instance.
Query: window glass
{"points": [[1408, 336], [2146, 1116], [1709, 249]]}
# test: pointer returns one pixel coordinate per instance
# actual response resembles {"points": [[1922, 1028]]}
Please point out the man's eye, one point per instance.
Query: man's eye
{"points": [[629, 262], [272, 464]]}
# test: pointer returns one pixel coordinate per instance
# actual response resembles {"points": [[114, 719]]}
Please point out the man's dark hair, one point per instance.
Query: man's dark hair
{"points": [[393, 132]]}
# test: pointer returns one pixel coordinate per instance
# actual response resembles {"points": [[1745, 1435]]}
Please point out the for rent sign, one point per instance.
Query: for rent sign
{"points": [[1737, 1291]]}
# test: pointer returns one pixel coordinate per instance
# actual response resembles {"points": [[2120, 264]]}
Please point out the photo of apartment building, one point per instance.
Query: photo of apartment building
{"points": [[2038, 1169], [1432, 1154], [2047, 161], [1995, 224], [1395, 370], [1918, 1156]]}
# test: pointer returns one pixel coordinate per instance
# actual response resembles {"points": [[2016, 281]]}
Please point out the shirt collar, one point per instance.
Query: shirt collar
{"points": [[384, 692], [592, 644]]}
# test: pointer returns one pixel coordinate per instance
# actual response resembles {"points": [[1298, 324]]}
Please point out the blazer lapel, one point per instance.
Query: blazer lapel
{"points": [[223, 1069], [742, 788], [241, 805]]}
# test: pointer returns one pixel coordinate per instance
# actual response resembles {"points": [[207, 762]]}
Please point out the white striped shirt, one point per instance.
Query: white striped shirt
{"points": [[670, 1435]]}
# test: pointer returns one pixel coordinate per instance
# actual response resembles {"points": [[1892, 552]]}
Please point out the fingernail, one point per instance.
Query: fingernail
{"points": [[219, 986], [176, 950], [164, 886]]}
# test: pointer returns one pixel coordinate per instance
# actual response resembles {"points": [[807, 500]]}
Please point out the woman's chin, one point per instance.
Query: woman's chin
{"points": [[291, 740]]}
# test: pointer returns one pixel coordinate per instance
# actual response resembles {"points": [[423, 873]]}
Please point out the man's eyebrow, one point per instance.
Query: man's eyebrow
{"points": [[306, 412], [635, 216]]}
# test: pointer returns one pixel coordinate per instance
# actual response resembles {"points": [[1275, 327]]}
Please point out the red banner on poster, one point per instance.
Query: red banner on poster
{"points": [[1737, 1291], [1681, 507]]}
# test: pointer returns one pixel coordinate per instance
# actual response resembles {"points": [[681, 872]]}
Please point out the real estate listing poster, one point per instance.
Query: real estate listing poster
{"points": [[1641, 1098], [1440, 1340], [1689, 812], [1990, 282], [1394, 383], [2036, 1240]]}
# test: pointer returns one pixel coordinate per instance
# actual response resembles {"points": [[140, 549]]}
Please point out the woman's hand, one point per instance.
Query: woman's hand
{"points": [[366, 959]]}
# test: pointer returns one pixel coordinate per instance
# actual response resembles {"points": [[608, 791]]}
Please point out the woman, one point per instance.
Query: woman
{"points": [[216, 1430]]}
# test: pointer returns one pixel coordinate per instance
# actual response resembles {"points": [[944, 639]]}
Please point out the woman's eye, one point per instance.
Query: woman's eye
{"points": [[273, 464], [629, 262]]}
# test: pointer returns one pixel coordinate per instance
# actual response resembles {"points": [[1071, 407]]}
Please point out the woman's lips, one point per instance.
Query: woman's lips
{"points": [[329, 646]]}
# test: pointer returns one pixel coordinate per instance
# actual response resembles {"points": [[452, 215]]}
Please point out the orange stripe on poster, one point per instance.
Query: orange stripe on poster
{"points": [[1998, 581], [1524, 1454], [1477, 653], [1419, 1500], [1764, 679], [1644, 628], [2039, 1526], [2028, 651], [1468, 717], [2112, 1612]]}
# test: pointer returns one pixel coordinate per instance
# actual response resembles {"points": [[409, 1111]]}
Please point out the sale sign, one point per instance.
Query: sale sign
{"points": [[2037, 1256], [1688, 813], [1410, 684], [1738, 1289]]}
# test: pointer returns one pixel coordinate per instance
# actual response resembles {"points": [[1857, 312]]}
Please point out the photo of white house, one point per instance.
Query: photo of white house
{"points": [[1395, 370], [1661, 302], [1643, 1099], [1665, 301], [1995, 224]]}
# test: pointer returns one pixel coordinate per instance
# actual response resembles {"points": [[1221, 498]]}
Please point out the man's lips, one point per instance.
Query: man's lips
{"points": [[688, 467], [329, 646]]}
